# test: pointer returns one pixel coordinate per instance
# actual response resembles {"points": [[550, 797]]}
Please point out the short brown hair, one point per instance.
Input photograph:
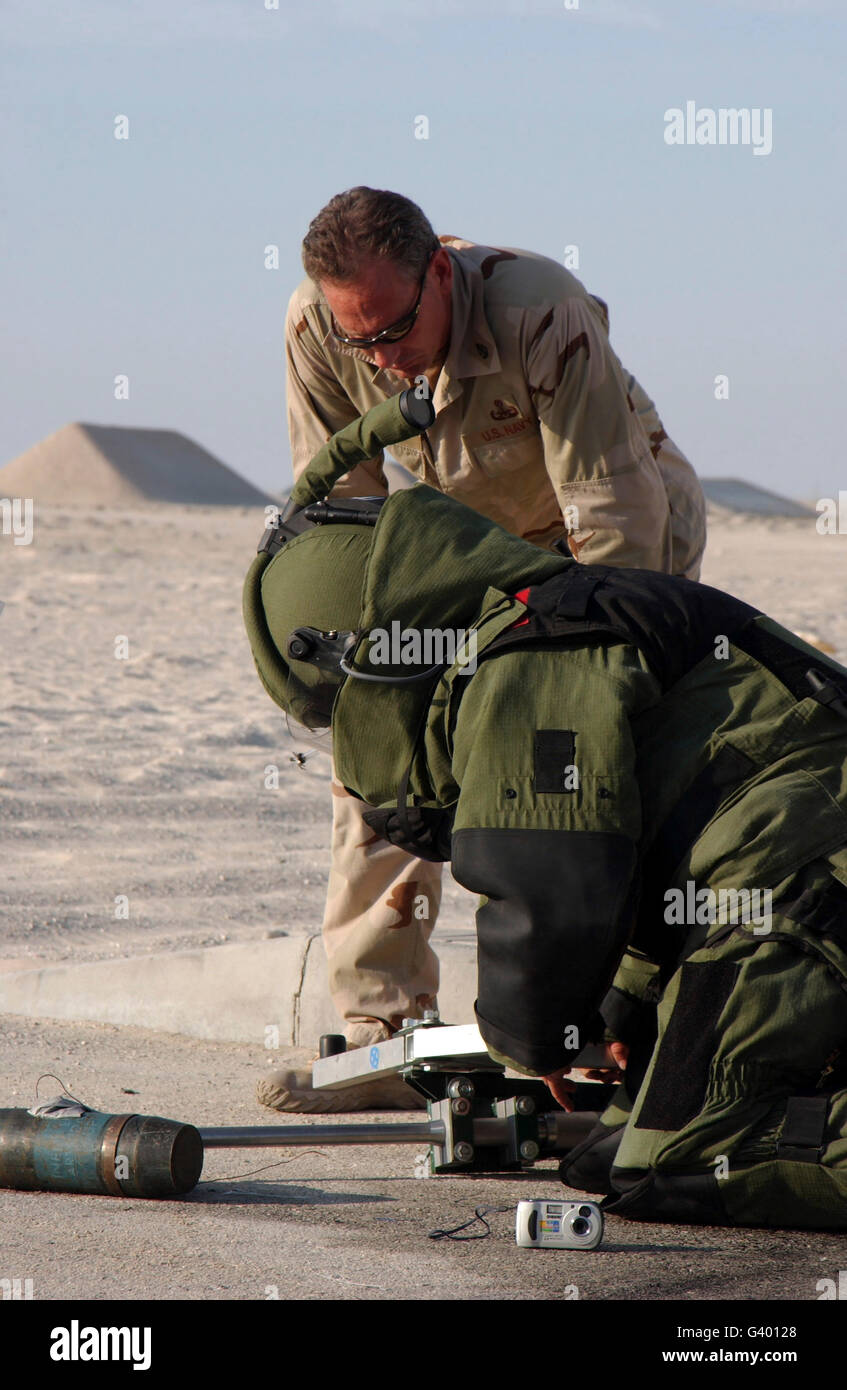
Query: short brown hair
{"points": [[367, 224]]}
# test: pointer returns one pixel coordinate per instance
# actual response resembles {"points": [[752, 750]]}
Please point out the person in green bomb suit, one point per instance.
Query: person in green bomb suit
{"points": [[645, 780]]}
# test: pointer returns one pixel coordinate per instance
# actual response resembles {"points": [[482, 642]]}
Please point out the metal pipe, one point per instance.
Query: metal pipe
{"points": [[114, 1155], [305, 1136], [560, 1130], [490, 1130]]}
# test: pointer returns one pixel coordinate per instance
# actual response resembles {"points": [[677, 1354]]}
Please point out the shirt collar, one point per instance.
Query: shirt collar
{"points": [[473, 350]]}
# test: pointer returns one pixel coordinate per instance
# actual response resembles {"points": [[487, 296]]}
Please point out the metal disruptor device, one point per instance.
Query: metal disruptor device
{"points": [[479, 1120], [423, 1049], [490, 1122]]}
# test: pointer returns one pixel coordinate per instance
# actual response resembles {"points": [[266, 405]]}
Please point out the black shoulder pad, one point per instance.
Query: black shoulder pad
{"points": [[673, 621]]}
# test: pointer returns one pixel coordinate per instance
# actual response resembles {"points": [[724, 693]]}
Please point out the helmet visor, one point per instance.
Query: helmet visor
{"points": [[309, 699], [318, 740]]}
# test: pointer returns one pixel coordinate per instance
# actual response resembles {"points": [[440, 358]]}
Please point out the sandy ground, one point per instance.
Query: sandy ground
{"points": [[144, 777], [332, 1223]]}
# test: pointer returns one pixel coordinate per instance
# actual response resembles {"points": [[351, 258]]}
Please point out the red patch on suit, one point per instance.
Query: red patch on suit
{"points": [[523, 597]]}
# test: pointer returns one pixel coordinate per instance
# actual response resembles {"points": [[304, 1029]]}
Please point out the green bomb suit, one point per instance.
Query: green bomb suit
{"points": [[625, 734]]}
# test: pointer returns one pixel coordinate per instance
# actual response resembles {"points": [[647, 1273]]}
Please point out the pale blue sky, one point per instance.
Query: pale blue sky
{"points": [[546, 129]]}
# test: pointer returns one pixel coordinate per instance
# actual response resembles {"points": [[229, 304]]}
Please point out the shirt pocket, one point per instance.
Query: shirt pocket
{"points": [[505, 448]]}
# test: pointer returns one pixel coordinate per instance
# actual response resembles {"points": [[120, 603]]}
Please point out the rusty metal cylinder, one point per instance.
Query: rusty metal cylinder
{"points": [[114, 1155]]}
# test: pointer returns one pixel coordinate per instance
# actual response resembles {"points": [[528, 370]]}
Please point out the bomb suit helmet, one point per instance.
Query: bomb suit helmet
{"points": [[301, 608], [303, 593]]}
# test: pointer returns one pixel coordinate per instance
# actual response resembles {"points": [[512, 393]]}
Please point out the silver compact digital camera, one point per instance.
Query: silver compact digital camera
{"points": [[559, 1225]]}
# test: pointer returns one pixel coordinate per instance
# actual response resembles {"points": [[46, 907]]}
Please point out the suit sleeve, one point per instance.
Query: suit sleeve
{"points": [[546, 828], [318, 404], [596, 449]]}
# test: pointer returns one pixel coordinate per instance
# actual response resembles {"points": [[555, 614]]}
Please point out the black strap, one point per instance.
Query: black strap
{"points": [[828, 693], [790, 665], [403, 789], [784, 661], [402, 799], [823, 912], [420, 830], [801, 1140]]}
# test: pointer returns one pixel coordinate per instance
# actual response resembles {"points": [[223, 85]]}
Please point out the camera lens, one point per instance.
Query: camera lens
{"points": [[585, 1211], [579, 1226]]}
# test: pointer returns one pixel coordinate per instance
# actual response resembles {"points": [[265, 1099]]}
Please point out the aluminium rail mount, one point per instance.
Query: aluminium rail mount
{"points": [[484, 1119]]}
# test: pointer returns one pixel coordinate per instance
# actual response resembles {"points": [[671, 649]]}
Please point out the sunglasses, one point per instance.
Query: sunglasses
{"points": [[394, 332]]}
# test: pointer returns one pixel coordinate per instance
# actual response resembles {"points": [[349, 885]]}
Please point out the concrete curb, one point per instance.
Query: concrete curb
{"points": [[223, 993]]}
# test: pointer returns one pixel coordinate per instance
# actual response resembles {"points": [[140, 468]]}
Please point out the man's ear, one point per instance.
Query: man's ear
{"points": [[443, 269]]}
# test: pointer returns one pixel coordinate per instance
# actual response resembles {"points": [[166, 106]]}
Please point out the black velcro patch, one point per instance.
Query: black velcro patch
{"points": [[678, 1087], [554, 758]]}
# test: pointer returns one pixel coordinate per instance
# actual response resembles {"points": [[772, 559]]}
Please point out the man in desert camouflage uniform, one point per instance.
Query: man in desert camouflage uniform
{"points": [[538, 427]]}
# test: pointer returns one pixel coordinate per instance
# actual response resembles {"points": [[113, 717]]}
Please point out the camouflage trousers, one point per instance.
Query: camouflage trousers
{"points": [[381, 908], [734, 1106]]}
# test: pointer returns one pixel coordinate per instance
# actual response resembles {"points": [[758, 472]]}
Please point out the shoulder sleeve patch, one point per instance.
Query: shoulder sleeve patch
{"points": [[554, 760]]}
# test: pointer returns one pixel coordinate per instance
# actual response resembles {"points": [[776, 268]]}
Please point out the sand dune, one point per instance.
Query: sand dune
{"points": [[112, 466], [737, 495]]}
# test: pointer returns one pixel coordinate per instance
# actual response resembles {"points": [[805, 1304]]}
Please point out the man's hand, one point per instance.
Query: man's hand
{"points": [[616, 1055]]}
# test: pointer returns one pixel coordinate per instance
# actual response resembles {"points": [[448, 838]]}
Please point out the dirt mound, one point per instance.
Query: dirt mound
{"points": [[737, 495], [117, 467]]}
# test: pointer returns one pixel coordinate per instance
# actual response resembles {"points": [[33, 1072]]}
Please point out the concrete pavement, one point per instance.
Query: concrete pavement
{"points": [[231, 993], [332, 1223]]}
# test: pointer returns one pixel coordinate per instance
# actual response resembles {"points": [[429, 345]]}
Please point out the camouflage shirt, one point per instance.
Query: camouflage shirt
{"points": [[538, 426]]}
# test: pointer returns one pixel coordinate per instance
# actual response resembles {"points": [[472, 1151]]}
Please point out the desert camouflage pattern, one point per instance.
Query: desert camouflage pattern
{"points": [[381, 907], [538, 427]]}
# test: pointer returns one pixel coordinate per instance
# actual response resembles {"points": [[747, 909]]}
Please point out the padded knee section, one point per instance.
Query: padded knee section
{"points": [[588, 1167], [690, 1198]]}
